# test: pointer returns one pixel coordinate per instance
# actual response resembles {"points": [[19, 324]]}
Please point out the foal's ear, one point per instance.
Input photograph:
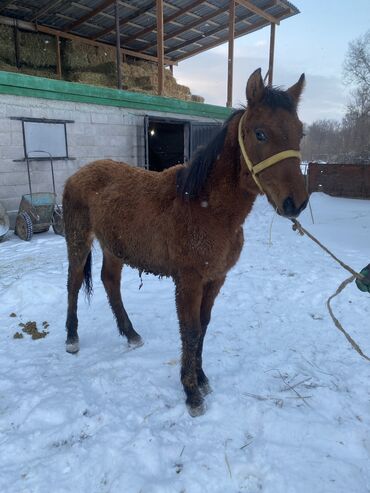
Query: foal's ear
{"points": [[296, 90], [255, 87]]}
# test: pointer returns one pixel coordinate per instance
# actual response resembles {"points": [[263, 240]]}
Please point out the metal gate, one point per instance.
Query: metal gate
{"points": [[201, 134]]}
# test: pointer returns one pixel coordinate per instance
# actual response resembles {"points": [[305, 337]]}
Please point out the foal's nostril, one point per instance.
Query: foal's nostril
{"points": [[289, 207], [303, 206]]}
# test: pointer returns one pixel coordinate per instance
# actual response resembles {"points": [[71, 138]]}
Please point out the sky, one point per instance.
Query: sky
{"points": [[314, 42]]}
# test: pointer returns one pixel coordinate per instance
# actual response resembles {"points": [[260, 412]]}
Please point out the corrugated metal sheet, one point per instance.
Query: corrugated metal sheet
{"points": [[199, 25]]}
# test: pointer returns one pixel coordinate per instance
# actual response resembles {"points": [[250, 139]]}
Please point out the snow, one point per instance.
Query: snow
{"points": [[290, 408]]}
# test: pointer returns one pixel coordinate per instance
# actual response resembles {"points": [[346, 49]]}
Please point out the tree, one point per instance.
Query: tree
{"points": [[348, 141], [356, 65], [356, 123]]}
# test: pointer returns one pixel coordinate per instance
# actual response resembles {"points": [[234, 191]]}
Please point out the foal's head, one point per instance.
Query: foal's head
{"points": [[269, 126]]}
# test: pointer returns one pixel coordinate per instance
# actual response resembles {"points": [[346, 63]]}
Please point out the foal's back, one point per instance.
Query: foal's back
{"points": [[131, 211]]}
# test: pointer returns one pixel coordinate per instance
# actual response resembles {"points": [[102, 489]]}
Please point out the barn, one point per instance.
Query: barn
{"points": [[73, 123]]}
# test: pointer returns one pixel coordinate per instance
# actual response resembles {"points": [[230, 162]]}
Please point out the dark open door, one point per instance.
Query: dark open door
{"points": [[166, 142]]}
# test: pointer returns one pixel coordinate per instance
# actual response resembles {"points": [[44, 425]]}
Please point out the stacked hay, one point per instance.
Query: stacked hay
{"points": [[84, 63], [84, 57], [7, 45], [37, 51], [141, 76]]}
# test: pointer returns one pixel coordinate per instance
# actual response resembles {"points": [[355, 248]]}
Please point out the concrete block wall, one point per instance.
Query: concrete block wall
{"points": [[98, 132]]}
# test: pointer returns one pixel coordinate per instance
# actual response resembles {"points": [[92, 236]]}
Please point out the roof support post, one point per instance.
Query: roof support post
{"points": [[160, 47], [230, 59], [118, 47], [16, 45], [271, 57], [59, 63]]}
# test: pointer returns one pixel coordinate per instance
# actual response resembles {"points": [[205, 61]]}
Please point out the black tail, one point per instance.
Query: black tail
{"points": [[88, 285]]}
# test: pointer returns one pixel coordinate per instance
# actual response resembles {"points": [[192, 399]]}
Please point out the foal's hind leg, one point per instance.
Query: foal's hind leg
{"points": [[78, 257], [111, 277], [210, 292]]}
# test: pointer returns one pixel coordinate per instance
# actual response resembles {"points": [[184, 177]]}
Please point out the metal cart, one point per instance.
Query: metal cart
{"points": [[4, 222], [37, 211]]}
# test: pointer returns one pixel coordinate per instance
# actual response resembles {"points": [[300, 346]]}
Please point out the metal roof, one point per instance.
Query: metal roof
{"points": [[190, 26]]}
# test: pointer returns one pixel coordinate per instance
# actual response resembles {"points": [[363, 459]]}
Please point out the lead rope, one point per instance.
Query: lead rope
{"points": [[354, 275]]}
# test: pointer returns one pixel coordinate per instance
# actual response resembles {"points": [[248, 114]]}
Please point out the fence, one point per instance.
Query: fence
{"points": [[340, 180]]}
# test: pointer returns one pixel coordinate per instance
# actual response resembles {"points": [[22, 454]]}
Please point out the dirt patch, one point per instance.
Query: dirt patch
{"points": [[31, 329]]}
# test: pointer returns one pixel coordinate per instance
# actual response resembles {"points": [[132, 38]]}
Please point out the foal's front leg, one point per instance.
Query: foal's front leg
{"points": [[189, 292], [111, 277]]}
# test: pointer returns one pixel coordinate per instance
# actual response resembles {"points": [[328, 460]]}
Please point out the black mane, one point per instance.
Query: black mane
{"points": [[191, 179]]}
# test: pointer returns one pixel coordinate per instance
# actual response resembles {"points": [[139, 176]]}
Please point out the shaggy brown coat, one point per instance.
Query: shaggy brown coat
{"points": [[185, 222]]}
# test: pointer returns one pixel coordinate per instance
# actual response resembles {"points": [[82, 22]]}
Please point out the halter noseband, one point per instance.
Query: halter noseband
{"points": [[266, 163]]}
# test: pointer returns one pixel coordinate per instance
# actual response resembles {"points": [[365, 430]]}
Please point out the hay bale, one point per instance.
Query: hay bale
{"points": [[147, 82], [8, 68], [37, 50], [81, 56], [48, 73], [87, 77], [85, 64], [7, 46], [197, 99], [93, 78]]}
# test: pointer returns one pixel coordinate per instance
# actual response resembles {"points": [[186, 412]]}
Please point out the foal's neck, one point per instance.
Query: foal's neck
{"points": [[226, 195]]}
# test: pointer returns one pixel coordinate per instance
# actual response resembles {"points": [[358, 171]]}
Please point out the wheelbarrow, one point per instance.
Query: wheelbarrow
{"points": [[37, 211], [4, 222]]}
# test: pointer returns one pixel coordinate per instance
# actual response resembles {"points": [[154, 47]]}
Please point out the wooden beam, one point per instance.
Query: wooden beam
{"points": [[166, 20], [271, 55], [230, 59], [160, 47], [124, 20], [88, 16], [118, 46], [73, 37], [59, 63], [250, 6], [45, 9]]}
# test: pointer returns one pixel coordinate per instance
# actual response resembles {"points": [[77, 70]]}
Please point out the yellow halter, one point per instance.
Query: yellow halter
{"points": [[266, 163]]}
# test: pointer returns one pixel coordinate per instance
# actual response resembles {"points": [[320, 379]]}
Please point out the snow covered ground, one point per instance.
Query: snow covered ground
{"points": [[290, 410]]}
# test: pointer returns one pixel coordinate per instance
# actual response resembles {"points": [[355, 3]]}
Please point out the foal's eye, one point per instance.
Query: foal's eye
{"points": [[260, 135]]}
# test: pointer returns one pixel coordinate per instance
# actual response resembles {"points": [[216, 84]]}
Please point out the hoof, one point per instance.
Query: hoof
{"points": [[196, 411], [72, 347], [135, 343], [205, 389]]}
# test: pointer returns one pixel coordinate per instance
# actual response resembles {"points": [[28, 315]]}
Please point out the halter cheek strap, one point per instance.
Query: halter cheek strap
{"points": [[266, 163]]}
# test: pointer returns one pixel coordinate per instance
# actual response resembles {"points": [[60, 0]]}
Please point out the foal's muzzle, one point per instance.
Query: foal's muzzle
{"points": [[290, 210]]}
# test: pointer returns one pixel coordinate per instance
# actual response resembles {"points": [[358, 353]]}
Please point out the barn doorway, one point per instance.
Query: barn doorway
{"points": [[170, 141], [167, 142]]}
